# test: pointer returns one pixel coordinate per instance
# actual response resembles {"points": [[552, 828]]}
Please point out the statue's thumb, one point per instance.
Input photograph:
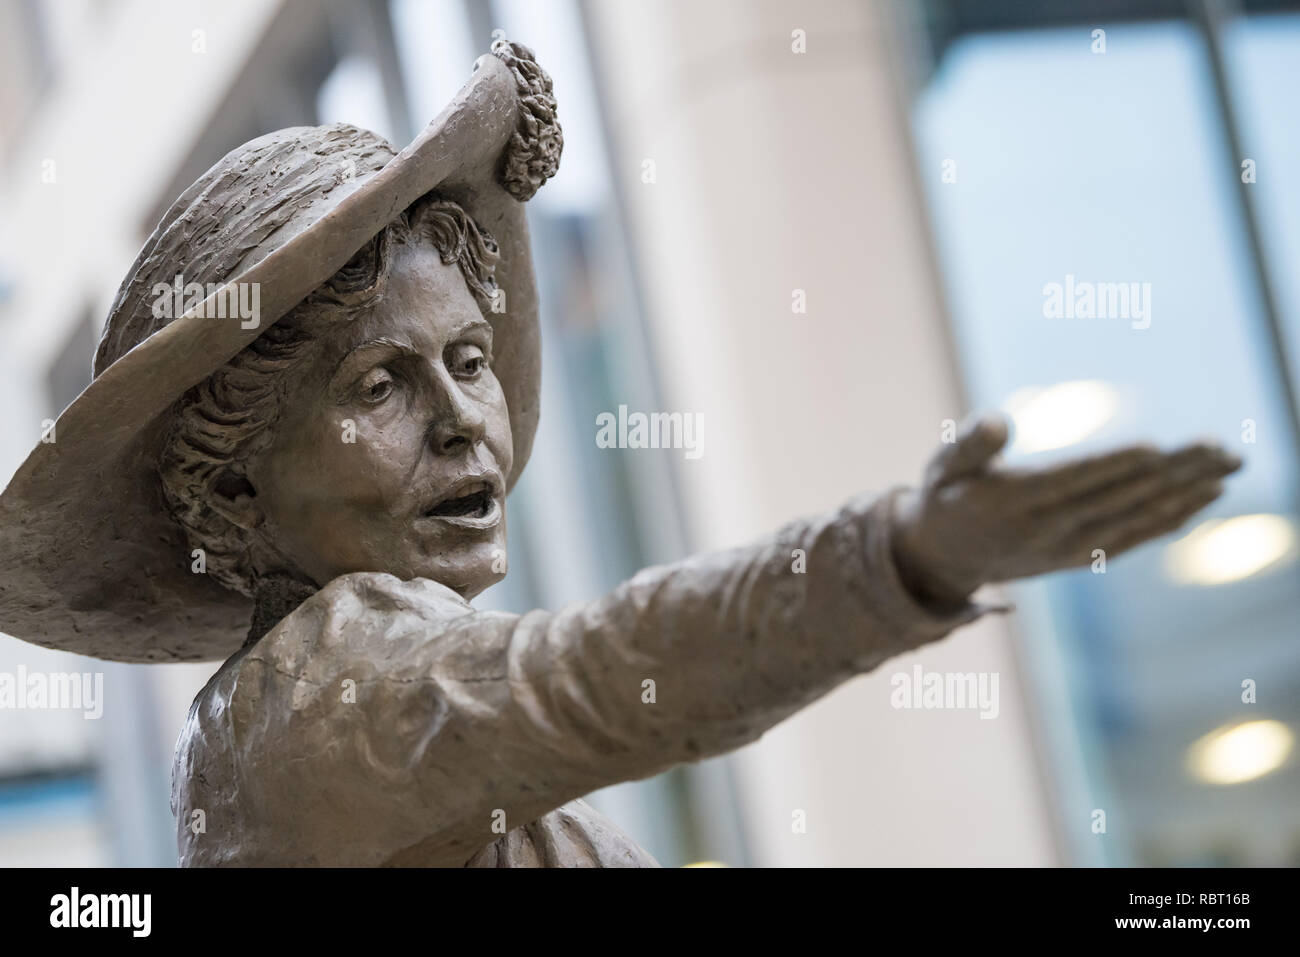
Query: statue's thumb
{"points": [[979, 440]]}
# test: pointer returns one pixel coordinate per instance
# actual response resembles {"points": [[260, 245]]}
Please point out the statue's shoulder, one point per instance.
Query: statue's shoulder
{"points": [[362, 596], [358, 615], [360, 626], [295, 693]]}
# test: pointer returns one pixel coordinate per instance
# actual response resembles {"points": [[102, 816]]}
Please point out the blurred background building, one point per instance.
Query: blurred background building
{"points": [[827, 227]]}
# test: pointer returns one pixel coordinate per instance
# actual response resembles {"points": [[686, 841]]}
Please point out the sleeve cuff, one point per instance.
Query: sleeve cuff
{"points": [[900, 611]]}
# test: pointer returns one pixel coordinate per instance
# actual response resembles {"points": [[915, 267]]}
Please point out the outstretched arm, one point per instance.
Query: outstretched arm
{"points": [[459, 715]]}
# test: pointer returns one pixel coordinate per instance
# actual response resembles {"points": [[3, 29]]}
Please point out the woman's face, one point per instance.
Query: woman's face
{"points": [[393, 443]]}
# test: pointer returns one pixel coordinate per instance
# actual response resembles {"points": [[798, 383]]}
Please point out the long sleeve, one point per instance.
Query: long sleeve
{"points": [[387, 720]]}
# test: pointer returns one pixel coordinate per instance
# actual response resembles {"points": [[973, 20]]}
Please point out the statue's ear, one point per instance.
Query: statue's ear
{"points": [[234, 499]]}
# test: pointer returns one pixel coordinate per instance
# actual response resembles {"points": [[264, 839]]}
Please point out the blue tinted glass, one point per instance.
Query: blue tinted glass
{"points": [[1067, 169]]}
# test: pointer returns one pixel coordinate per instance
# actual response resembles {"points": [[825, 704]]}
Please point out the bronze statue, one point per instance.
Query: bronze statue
{"points": [[322, 443]]}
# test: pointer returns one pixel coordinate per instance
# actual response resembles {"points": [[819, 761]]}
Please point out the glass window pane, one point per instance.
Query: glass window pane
{"points": [[1100, 290]]}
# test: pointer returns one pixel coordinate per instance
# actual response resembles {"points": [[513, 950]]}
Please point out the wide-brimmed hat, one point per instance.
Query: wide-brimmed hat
{"points": [[90, 559]]}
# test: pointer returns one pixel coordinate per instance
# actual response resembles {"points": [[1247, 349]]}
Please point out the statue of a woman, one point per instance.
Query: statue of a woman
{"points": [[323, 442]]}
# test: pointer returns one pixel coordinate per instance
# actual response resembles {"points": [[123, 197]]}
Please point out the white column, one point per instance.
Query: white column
{"points": [[775, 171]]}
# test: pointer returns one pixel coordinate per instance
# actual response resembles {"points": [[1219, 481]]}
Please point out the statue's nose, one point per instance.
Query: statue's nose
{"points": [[457, 423]]}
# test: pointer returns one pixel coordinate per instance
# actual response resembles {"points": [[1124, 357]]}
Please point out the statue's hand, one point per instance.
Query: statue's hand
{"points": [[972, 523]]}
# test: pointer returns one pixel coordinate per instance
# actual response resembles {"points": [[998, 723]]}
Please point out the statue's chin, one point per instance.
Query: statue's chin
{"points": [[471, 578], [472, 590]]}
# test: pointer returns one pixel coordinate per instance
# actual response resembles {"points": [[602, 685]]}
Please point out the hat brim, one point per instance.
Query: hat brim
{"points": [[90, 561]]}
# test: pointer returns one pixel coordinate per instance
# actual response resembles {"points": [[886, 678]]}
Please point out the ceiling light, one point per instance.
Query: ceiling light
{"points": [[1222, 550], [1241, 752], [1060, 415]]}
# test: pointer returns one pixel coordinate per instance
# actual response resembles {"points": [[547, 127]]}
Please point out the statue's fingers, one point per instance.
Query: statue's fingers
{"points": [[1084, 476], [1149, 521], [1069, 480], [1178, 471], [979, 440]]}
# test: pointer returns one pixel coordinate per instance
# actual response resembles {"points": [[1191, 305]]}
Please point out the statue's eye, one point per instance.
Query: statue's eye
{"points": [[375, 386], [467, 361]]}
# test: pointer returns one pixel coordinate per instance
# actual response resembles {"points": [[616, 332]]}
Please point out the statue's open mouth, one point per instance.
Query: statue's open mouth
{"points": [[475, 505], [473, 499]]}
